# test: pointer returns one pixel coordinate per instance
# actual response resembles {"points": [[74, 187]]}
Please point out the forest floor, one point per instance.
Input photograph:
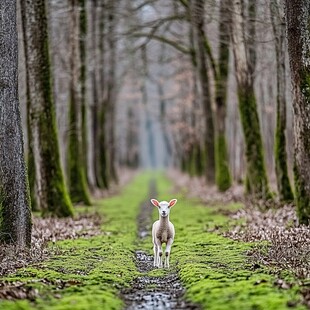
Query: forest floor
{"points": [[109, 266]]}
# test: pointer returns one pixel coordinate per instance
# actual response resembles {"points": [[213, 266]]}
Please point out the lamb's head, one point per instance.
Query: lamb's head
{"points": [[164, 206]]}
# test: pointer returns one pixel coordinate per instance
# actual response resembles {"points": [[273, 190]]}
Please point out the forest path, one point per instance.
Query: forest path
{"points": [[114, 269], [162, 292]]}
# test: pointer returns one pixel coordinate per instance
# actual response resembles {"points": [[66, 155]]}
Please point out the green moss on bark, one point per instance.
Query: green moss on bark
{"points": [[257, 182], [32, 180], [302, 198], [222, 177], [283, 182], [83, 32], [302, 191], [76, 172]]}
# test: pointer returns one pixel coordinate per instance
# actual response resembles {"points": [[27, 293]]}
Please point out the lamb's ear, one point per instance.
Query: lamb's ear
{"points": [[172, 202], [155, 202]]}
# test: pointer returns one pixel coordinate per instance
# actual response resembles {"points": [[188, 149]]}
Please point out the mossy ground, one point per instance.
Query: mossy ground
{"points": [[214, 269]]}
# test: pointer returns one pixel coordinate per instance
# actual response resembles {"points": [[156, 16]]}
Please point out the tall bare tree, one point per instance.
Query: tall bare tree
{"points": [[298, 35], [76, 163], [14, 193], [197, 19], [111, 89], [223, 177], [245, 59], [51, 191], [278, 25]]}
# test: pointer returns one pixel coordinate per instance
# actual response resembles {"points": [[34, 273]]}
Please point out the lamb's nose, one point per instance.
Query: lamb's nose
{"points": [[164, 212]]}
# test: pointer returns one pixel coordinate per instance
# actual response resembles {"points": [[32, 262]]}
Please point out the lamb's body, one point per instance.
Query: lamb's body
{"points": [[162, 233]]}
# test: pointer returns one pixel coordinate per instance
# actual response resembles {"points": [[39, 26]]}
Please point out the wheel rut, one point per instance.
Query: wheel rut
{"points": [[153, 292]]}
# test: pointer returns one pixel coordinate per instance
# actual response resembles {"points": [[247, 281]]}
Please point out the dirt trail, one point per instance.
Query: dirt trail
{"points": [[150, 292]]}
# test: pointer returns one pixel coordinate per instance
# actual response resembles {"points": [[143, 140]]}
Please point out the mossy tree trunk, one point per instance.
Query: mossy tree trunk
{"points": [[76, 165], [197, 20], [244, 58], [223, 177], [30, 160], [102, 153], [99, 88], [52, 196], [82, 45], [298, 35], [15, 215], [283, 182], [111, 90]]}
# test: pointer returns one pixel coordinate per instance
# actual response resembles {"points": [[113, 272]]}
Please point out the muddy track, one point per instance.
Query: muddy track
{"points": [[149, 292]]}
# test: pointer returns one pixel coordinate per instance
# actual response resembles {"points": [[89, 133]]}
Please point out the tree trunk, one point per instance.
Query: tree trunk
{"points": [[111, 91], [197, 16], [223, 177], [15, 212], [283, 182], [52, 194], [98, 111], [102, 108], [244, 57], [76, 168], [298, 35], [82, 45]]}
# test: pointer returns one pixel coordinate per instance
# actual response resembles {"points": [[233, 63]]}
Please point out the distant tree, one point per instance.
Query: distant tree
{"points": [[97, 31], [197, 20], [76, 162], [111, 91], [223, 177], [51, 192], [278, 25], [83, 50], [15, 215], [298, 35], [245, 60]]}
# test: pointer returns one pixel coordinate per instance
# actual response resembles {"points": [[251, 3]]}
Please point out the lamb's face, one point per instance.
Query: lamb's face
{"points": [[164, 206]]}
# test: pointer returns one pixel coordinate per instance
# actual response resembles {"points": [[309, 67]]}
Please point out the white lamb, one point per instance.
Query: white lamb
{"points": [[162, 232]]}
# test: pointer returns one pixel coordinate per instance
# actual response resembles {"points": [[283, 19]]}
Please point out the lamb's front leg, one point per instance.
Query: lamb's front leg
{"points": [[167, 252], [159, 253]]}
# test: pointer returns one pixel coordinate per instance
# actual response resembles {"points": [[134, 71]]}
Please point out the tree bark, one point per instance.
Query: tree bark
{"points": [[51, 190], [244, 58], [298, 35], [111, 91], [102, 101], [223, 177], [76, 164], [197, 17], [15, 212], [283, 182], [82, 46]]}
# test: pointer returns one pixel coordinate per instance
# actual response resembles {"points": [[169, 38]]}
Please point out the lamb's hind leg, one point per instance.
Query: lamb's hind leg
{"points": [[167, 252]]}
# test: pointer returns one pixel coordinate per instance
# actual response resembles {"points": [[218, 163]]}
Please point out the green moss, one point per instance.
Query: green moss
{"points": [[222, 177], [283, 181], [257, 182], [302, 198], [302, 192], [76, 165]]}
